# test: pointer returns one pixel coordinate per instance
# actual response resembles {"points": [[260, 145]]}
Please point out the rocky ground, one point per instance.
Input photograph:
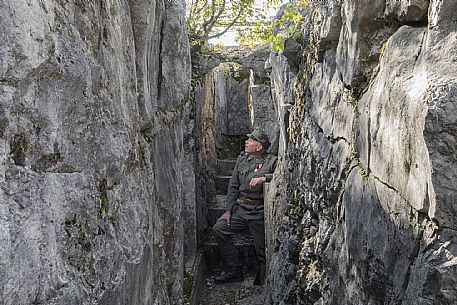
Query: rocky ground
{"points": [[241, 293]]}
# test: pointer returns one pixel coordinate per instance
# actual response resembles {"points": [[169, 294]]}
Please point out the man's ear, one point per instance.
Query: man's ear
{"points": [[259, 147]]}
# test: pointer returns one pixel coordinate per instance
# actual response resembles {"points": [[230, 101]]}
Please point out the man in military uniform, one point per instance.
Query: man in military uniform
{"points": [[244, 207]]}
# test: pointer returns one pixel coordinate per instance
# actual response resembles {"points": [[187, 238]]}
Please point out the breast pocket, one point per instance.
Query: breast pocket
{"points": [[243, 171]]}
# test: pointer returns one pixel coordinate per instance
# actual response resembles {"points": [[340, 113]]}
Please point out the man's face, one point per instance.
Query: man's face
{"points": [[252, 146]]}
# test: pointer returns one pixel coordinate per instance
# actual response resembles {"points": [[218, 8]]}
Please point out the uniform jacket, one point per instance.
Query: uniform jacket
{"points": [[246, 168]]}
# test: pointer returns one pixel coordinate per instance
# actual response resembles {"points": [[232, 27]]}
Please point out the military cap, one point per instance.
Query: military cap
{"points": [[261, 137]]}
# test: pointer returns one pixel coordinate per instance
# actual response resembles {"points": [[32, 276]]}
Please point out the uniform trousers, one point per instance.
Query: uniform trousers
{"points": [[244, 217]]}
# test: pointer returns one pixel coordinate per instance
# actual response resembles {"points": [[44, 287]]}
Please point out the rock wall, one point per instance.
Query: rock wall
{"points": [[221, 111], [92, 97], [231, 116], [365, 197]]}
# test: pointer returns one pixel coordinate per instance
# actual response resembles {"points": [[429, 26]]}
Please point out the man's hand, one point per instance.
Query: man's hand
{"points": [[225, 216], [257, 181]]}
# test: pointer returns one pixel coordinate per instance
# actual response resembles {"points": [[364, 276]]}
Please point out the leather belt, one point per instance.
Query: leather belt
{"points": [[252, 201]]}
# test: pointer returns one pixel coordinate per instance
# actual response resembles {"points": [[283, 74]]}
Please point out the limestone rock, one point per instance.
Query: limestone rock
{"points": [[364, 197], [408, 10], [361, 39], [91, 151], [263, 113], [441, 11], [283, 95]]}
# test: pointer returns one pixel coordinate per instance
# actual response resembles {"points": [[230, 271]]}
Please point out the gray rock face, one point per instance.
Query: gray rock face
{"points": [[223, 110], [249, 58], [231, 105], [264, 114], [364, 197], [361, 39], [91, 151], [408, 10], [441, 12], [283, 95]]}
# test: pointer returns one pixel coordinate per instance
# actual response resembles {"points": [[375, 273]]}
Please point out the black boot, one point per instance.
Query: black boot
{"points": [[230, 276], [260, 276], [233, 269]]}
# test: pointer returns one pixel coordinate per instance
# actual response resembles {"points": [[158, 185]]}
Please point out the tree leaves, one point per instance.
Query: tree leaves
{"points": [[288, 25], [207, 19]]}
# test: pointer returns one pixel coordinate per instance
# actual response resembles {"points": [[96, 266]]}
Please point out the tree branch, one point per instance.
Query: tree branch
{"points": [[208, 24], [228, 27], [201, 8]]}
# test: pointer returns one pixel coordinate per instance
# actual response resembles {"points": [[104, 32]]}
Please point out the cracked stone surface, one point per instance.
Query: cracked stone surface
{"points": [[363, 199], [92, 98]]}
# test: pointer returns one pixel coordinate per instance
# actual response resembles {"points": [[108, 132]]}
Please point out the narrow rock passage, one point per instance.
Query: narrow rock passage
{"points": [[231, 293]]}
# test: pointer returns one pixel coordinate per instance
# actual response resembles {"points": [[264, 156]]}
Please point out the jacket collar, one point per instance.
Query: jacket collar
{"points": [[260, 158]]}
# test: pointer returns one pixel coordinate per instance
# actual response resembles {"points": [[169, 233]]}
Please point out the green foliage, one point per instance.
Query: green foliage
{"points": [[186, 289], [362, 171], [383, 49], [278, 31], [211, 19], [352, 101], [235, 71], [103, 208]]}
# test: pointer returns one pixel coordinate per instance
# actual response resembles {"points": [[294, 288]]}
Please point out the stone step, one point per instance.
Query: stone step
{"points": [[246, 253], [222, 183], [230, 146], [225, 167], [216, 210]]}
